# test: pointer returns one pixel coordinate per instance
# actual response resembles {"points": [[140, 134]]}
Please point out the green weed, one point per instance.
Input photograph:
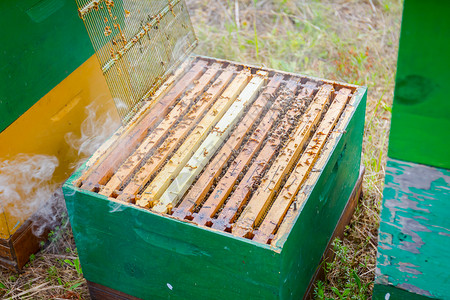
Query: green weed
{"points": [[348, 283], [75, 264], [3, 288]]}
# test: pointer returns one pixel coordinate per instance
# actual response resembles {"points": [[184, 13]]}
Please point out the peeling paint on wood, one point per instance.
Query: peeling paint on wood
{"points": [[414, 235]]}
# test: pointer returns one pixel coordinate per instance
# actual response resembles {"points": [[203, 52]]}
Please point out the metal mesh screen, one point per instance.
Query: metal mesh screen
{"points": [[137, 43]]}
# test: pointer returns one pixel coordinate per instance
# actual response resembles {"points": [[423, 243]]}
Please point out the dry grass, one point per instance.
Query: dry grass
{"points": [[51, 274], [347, 40]]}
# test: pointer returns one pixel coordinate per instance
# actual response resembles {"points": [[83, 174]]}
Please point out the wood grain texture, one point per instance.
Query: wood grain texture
{"points": [[106, 148], [242, 193], [282, 165], [193, 141], [157, 135], [214, 168], [321, 163], [107, 167], [298, 175], [414, 234], [5, 251], [176, 136], [15, 252], [101, 292], [210, 145], [227, 182]]}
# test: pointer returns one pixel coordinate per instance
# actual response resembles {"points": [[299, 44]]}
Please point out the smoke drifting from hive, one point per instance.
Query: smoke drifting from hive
{"points": [[26, 184], [95, 129]]}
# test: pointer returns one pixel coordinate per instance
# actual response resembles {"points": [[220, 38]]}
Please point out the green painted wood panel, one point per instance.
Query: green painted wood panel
{"points": [[42, 43], [414, 235], [421, 110], [151, 257]]}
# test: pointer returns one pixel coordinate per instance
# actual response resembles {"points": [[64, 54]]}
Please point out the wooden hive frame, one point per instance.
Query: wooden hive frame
{"points": [[215, 190]]}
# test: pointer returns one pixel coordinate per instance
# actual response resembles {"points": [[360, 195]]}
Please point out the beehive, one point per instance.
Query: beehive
{"points": [[230, 178]]}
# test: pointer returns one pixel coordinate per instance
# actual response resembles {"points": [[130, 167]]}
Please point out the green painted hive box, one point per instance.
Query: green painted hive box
{"points": [[227, 184], [414, 234]]}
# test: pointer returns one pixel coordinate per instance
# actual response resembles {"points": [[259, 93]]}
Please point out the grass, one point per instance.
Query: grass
{"points": [[53, 273], [352, 41]]}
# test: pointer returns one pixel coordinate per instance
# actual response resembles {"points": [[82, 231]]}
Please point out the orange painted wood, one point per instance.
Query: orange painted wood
{"points": [[156, 136], [289, 191], [107, 167], [240, 196], [214, 168], [182, 129], [288, 156]]}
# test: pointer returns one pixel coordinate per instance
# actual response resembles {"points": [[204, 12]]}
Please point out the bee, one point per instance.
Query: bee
{"points": [[191, 167], [107, 31]]}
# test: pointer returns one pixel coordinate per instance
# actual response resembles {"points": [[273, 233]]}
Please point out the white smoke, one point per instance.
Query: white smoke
{"points": [[27, 187], [95, 129], [26, 184], [181, 46]]}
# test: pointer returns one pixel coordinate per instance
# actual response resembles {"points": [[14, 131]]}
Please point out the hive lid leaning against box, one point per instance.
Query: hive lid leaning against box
{"points": [[227, 180]]}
